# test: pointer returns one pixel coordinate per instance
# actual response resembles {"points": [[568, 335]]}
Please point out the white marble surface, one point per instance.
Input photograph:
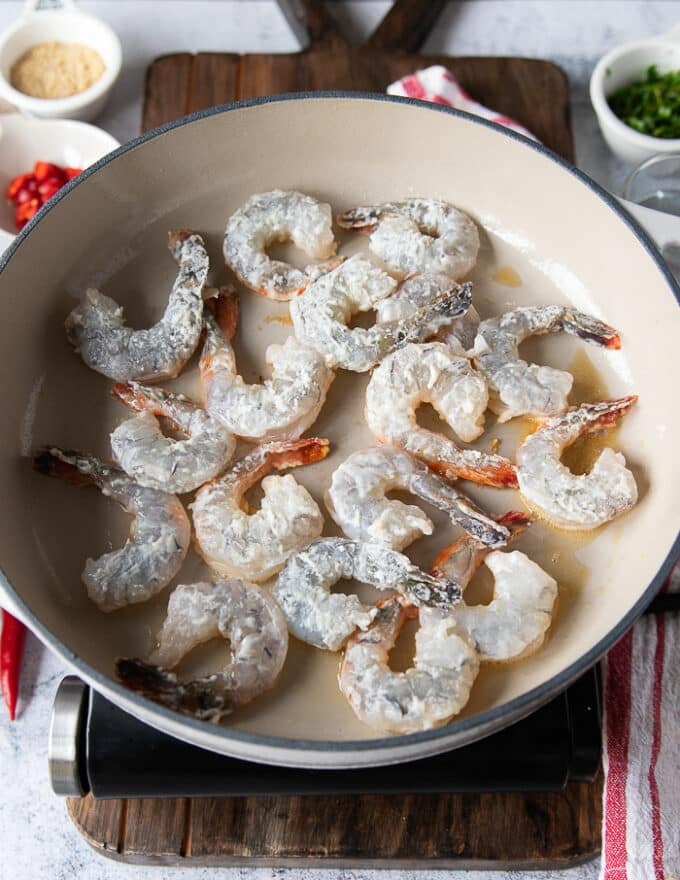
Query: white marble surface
{"points": [[36, 837]]}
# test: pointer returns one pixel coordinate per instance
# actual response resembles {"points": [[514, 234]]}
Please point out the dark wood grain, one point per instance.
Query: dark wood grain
{"points": [[534, 92], [419, 831], [484, 830], [406, 25]]}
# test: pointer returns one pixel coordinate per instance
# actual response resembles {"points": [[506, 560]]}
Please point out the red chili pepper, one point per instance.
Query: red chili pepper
{"points": [[43, 170], [12, 641], [72, 172], [16, 185], [26, 211]]}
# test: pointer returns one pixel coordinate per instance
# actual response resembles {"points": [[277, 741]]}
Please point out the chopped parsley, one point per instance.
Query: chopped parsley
{"points": [[651, 106]]}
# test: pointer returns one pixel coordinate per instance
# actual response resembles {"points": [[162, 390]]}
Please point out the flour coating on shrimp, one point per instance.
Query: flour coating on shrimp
{"points": [[325, 619], [514, 623], [356, 499], [425, 373], [160, 462], [270, 217], [416, 292], [283, 406], [96, 326], [419, 235], [576, 501], [426, 695]]}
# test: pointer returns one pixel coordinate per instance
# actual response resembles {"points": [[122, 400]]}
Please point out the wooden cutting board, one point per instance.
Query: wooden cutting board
{"points": [[515, 830]]}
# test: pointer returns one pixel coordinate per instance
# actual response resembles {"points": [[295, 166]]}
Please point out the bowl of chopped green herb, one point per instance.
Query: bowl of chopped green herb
{"points": [[635, 92]]}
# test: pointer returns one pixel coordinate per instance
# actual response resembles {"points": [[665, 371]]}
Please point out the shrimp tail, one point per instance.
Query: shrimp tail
{"points": [[496, 471], [294, 453], [67, 464], [196, 698], [224, 308], [360, 219], [590, 329], [468, 552], [433, 592], [607, 413]]}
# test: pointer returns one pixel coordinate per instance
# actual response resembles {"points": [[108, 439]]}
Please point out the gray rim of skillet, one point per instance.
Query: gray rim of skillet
{"points": [[461, 731]]}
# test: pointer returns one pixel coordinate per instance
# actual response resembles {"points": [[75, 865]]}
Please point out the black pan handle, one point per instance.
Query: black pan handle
{"points": [[113, 755]]}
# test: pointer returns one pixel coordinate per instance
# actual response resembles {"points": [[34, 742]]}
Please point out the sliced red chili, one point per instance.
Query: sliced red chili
{"points": [[24, 212], [72, 172], [43, 170], [17, 185], [12, 641]]}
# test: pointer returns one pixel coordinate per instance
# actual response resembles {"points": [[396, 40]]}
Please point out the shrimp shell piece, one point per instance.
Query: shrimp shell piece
{"points": [[428, 694], [571, 501], [418, 235], [160, 462], [96, 328], [356, 499], [256, 546], [243, 614], [431, 373], [282, 407], [274, 216], [324, 619], [159, 534], [514, 623], [321, 315], [413, 294], [516, 387]]}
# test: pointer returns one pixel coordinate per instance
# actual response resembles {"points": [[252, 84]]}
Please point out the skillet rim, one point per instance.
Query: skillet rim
{"points": [[462, 731]]}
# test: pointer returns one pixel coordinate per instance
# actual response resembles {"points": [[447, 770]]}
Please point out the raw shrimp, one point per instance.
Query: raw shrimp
{"points": [[321, 315], [282, 407], [356, 499], [96, 326], [431, 373], [426, 695], [516, 387], [159, 535], [418, 235], [270, 217], [570, 501], [256, 546], [241, 613], [325, 619], [417, 292], [514, 623], [160, 462]]}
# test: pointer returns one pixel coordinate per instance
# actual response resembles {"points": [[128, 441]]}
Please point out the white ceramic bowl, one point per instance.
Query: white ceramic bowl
{"points": [[62, 141], [621, 67], [66, 25]]}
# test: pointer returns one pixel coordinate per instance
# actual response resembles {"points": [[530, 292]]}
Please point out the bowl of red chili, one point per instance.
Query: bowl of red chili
{"points": [[635, 92], [37, 158]]}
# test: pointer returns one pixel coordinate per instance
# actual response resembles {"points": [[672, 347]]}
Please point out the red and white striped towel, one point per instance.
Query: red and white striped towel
{"points": [[641, 826], [437, 84]]}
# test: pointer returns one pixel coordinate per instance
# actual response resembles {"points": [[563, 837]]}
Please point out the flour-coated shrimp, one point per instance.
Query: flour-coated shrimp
{"points": [[270, 217], [255, 546], [418, 235], [516, 620], [325, 619], [322, 314], [97, 331], [415, 293], [576, 501], [241, 613], [516, 387], [357, 500], [431, 373], [282, 407], [159, 462], [159, 534], [426, 695]]}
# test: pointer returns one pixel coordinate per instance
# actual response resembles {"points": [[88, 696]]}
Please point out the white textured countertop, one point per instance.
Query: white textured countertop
{"points": [[37, 839]]}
